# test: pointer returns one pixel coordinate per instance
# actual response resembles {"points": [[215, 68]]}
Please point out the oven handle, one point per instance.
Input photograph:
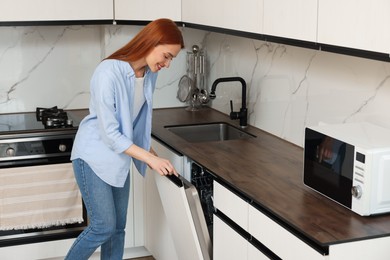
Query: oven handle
{"points": [[28, 157], [32, 139]]}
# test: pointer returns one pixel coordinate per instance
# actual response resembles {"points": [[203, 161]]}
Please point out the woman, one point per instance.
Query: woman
{"points": [[118, 130]]}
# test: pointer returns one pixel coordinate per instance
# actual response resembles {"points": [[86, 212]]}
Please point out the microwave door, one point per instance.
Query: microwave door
{"points": [[185, 217], [332, 176]]}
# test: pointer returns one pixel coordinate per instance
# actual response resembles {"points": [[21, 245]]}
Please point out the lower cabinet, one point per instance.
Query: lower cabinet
{"points": [[228, 244], [275, 241], [240, 230], [257, 236], [158, 237]]}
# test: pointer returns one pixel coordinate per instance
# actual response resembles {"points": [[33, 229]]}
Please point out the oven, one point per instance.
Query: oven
{"points": [[39, 197]]}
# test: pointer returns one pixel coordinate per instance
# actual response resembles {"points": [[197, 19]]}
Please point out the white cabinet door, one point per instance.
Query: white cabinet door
{"points": [[291, 19], [147, 10], [235, 14], [228, 244], [136, 212], [158, 237], [52, 10], [231, 205], [359, 24], [277, 239]]}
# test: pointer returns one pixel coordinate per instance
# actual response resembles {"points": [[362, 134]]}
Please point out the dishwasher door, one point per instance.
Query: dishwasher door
{"points": [[185, 217]]}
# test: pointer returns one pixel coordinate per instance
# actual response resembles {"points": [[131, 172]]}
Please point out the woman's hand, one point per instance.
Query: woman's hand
{"points": [[162, 166]]}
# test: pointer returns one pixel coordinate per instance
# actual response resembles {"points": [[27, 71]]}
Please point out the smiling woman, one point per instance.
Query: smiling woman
{"points": [[116, 132]]}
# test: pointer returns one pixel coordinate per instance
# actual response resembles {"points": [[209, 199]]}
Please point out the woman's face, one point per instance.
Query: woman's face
{"points": [[161, 56]]}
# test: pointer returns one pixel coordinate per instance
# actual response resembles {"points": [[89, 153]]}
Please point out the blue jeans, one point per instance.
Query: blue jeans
{"points": [[107, 211]]}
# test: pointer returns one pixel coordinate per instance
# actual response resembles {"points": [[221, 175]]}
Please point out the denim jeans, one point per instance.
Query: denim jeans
{"points": [[107, 211]]}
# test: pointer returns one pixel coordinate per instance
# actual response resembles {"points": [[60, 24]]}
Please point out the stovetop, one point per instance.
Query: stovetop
{"points": [[57, 120]]}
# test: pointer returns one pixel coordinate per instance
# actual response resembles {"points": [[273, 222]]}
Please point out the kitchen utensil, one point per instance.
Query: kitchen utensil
{"points": [[195, 51], [203, 93], [185, 88], [191, 86], [203, 96]]}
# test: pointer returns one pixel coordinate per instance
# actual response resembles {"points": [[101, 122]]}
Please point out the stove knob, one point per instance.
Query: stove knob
{"points": [[356, 191], [62, 147], [10, 151]]}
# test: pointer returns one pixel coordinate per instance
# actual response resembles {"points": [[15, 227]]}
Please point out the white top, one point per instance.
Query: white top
{"points": [[139, 97], [109, 129]]}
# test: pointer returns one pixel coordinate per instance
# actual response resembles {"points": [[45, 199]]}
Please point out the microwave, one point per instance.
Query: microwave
{"points": [[350, 164]]}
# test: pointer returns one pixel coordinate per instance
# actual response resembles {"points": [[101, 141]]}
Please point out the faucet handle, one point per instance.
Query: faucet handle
{"points": [[233, 115]]}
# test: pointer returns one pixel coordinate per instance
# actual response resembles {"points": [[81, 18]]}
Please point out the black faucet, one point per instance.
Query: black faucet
{"points": [[243, 114]]}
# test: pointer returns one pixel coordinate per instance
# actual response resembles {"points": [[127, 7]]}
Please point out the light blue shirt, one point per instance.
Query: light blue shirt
{"points": [[108, 130]]}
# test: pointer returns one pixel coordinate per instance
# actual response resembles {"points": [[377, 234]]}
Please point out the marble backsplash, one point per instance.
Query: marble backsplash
{"points": [[288, 87], [52, 65]]}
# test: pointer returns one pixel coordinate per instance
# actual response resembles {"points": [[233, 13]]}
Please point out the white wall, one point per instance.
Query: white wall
{"points": [[288, 87]]}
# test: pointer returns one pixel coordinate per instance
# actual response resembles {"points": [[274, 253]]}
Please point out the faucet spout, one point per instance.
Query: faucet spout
{"points": [[243, 114]]}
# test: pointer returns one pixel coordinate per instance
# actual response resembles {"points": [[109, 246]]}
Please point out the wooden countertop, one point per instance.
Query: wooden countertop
{"points": [[268, 172]]}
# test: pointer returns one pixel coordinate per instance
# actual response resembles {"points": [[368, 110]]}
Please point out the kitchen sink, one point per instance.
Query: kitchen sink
{"points": [[209, 132]]}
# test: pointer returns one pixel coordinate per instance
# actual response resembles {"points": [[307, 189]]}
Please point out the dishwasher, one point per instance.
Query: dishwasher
{"points": [[189, 209]]}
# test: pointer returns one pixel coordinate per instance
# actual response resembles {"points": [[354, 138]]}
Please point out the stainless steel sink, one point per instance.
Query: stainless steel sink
{"points": [[209, 132]]}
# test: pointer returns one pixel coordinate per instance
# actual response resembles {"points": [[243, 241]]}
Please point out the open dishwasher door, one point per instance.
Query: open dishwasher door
{"points": [[185, 217]]}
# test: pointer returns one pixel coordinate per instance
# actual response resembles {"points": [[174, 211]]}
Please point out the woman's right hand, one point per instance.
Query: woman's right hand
{"points": [[162, 166]]}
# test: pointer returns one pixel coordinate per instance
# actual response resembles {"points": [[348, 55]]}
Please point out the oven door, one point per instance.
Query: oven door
{"points": [[39, 203], [328, 166]]}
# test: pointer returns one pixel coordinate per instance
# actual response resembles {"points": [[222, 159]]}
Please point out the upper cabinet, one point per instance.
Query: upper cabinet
{"points": [[361, 26], [235, 14], [55, 10], [358, 24], [291, 19], [147, 10]]}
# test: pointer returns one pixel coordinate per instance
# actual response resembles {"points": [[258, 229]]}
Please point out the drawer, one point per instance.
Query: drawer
{"points": [[228, 244], [278, 239], [231, 205]]}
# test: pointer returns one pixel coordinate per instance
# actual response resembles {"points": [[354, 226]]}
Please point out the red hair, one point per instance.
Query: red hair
{"points": [[160, 31]]}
